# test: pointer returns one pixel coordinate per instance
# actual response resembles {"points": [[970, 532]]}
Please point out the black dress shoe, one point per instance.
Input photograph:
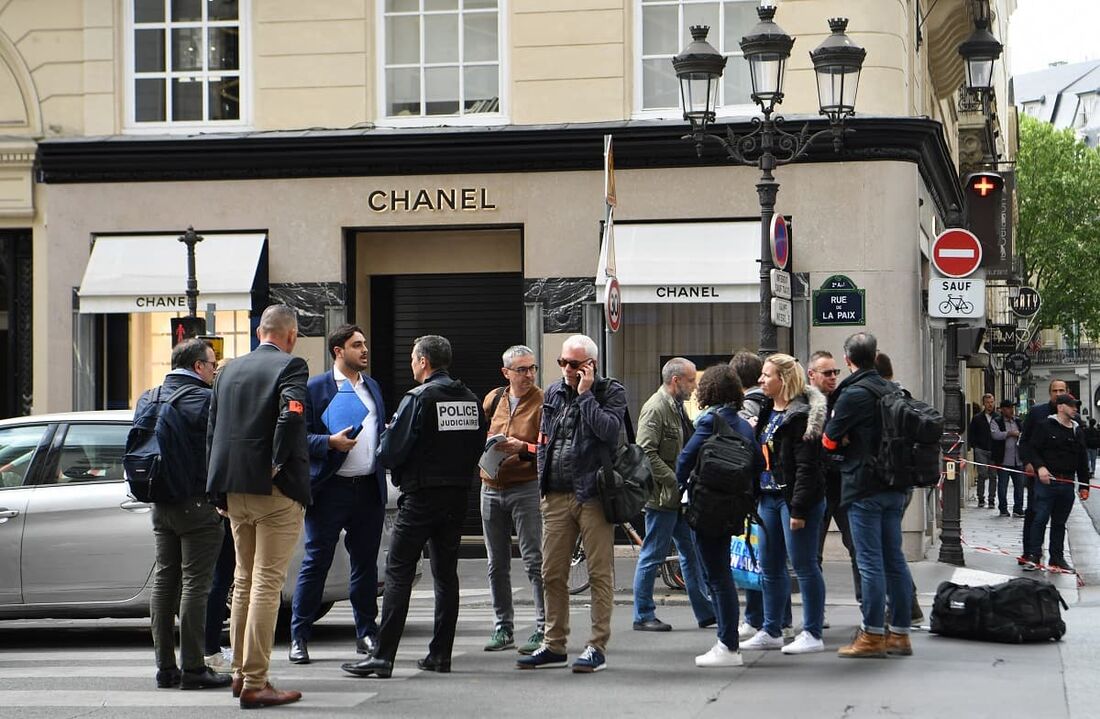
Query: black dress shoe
{"points": [[373, 667], [652, 625], [366, 645], [708, 622], [434, 664], [168, 678], [205, 678], [299, 651]]}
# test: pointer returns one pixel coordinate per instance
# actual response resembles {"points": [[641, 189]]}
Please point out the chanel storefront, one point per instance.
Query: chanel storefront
{"points": [[491, 237]]}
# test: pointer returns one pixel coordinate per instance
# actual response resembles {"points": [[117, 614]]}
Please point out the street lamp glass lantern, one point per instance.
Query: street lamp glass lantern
{"points": [[980, 51], [837, 64], [699, 68], [767, 48]]}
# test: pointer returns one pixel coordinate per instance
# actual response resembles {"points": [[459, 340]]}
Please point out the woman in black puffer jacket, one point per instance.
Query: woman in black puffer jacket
{"points": [[791, 503]]}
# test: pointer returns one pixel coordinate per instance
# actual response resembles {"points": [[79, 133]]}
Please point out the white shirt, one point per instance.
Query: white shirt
{"points": [[360, 459]]}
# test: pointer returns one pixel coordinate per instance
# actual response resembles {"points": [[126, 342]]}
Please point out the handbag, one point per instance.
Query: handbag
{"points": [[743, 561], [625, 480]]}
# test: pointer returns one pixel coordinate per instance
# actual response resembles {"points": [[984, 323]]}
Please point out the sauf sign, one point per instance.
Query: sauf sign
{"points": [[956, 298]]}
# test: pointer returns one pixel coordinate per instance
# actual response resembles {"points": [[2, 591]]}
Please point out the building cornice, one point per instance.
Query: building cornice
{"points": [[543, 148]]}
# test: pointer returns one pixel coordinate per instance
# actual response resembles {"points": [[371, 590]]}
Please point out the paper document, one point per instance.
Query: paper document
{"points": [[345, 410], [492, 456]]}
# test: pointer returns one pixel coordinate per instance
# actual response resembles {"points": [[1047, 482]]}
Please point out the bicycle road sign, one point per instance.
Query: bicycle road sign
{"points": [[956, 298]]}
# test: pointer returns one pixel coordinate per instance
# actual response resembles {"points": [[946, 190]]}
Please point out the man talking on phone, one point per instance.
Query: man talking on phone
{"points": [[344, 419], [582, 416]]}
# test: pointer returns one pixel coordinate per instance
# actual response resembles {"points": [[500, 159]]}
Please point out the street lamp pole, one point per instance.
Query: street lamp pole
{"points": [[837, 63], [191, 238]]}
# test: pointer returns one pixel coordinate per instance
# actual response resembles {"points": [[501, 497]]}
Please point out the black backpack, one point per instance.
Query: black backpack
{"points": [[625, 479], [1019, 610], [158, 458], [909, 451], [722, 483]]}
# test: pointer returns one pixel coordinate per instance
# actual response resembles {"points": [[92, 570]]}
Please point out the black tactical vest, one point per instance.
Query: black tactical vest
{"points": [[450, 440]]}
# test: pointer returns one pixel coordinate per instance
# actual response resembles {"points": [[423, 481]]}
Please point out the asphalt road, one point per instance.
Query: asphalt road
{"points": [[104, 669]]}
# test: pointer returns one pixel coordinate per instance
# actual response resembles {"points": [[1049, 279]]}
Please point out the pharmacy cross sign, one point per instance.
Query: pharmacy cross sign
{"points": [[956, 253]]}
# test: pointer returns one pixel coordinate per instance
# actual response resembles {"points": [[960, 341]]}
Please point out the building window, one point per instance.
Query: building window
{"points": [[441, 58], [665, 29], [185, 62]]}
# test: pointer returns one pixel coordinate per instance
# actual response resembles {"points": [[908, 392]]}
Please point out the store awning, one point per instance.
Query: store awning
{"points": [[685, 262], [148, 273]]}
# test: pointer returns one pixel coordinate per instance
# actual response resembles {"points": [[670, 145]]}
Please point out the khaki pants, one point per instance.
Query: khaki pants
{"points": [[265, 530], [563, 519]]}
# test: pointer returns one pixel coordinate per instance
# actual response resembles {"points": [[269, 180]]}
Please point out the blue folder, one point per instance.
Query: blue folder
{"points": [[345, 410]]}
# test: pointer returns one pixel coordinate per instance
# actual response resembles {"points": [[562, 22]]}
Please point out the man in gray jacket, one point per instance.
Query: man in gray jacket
{"points": [[663, 427]]}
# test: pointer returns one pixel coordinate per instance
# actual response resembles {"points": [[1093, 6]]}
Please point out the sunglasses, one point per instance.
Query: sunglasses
{"points": [[572, 364], [828, 372]]}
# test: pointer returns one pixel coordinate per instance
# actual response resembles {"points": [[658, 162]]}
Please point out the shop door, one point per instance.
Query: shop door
{"points": [[480, 313]]}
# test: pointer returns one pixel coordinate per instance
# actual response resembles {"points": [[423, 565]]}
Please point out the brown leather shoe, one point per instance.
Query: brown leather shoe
{"points": [[237, 685], [864, 645], [269, 696], [898, 645]]}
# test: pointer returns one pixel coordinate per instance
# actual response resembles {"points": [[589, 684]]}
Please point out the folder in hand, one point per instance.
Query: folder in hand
{"points": [[345, 410]]}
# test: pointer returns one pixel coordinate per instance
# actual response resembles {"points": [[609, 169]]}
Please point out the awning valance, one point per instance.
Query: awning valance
{"points": [[148, 273], [685, 262]]}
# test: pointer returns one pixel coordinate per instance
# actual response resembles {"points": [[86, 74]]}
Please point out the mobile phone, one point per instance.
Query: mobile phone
{"points": [[355, 431]]}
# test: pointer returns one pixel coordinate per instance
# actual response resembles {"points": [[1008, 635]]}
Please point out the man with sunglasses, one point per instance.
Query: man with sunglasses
{"points": [[582, 419], [823, 374], [511, 496]]}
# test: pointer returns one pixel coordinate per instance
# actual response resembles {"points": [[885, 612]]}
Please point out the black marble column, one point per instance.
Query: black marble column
{"points": [[309, 300], [562, 301]]}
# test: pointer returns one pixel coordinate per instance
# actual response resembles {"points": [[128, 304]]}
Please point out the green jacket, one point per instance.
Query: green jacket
{"points": [[661, 435]]}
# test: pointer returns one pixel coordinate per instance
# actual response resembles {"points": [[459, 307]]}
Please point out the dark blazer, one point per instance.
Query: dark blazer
{"points": [[323, 461], [257, 421]]}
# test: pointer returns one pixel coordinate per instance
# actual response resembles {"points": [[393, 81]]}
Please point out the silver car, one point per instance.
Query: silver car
{"points": [[73, 543]]}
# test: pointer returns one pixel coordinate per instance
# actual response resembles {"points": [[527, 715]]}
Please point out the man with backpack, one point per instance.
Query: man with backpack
{"points": [[582, 418], [874, 508], [186, 527]]}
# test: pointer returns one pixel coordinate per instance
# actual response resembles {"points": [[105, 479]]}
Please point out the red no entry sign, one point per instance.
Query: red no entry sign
{"points": [[956, 253]]}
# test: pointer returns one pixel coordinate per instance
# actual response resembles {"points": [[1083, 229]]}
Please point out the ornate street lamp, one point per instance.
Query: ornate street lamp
{"points": [[980, 51], [837, 63], [191, 238]]}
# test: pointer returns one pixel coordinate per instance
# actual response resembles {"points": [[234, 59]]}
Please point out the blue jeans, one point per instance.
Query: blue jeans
{"points": [[876, 532], [754, 609], [777, 541], [1053, 503], [661, 527], [1003, 478], [714, 552]]}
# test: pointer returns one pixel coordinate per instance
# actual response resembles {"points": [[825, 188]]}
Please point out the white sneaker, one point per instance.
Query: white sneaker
{"points": [[763, 640], [222, 661], [719, 656], [805, 643], [746, 631], [788, 632], [824, 620]]}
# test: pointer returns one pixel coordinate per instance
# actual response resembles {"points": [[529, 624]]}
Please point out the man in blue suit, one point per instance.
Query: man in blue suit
{"points": [[349, 491]]}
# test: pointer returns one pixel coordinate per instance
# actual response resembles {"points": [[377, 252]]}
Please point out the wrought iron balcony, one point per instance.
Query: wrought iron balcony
{"points": [[1080, 356]]}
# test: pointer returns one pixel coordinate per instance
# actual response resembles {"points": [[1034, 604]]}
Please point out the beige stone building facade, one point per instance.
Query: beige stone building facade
{"points": [[436, 165]]}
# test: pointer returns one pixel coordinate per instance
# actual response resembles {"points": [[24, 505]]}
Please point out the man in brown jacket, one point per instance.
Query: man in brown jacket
{"points": [[511, 495], [663, 430]]}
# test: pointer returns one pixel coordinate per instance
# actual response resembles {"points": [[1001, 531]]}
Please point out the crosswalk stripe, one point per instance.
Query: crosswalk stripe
{"points": [[115, 698]]}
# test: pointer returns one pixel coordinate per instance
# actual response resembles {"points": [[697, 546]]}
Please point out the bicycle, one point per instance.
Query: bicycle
{"points": [[671, 573], [956, 303]]}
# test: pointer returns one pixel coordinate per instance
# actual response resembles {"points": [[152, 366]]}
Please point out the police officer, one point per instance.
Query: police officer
{"points": [[432, 445]]}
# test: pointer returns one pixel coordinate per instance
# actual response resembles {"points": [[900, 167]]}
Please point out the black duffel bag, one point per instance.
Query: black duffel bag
{"points": [[1019, 610]]}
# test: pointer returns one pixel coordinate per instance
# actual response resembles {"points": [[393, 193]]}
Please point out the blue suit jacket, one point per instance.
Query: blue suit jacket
{"points": [[323, 461]]}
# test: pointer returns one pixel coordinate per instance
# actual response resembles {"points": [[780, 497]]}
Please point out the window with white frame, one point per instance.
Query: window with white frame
{"points": [[665, 30], [441, 57], [185, 62]]}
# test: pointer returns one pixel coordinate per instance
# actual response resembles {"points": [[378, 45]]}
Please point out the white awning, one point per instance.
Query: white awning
{"points": [[685, 262], [148, 273]]}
